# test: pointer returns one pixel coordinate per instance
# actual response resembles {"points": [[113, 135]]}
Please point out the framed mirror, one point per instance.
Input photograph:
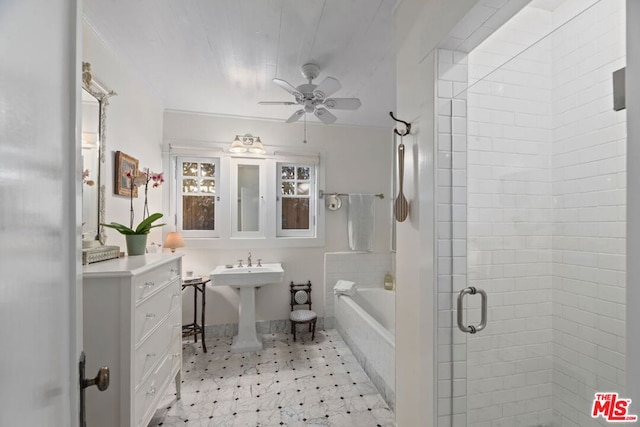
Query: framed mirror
{"points": [[95, 99]]}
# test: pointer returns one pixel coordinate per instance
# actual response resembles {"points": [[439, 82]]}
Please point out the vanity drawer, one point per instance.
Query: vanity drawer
{"points": [[148, 282], [152, 310], [167, 336], [147, 396]]}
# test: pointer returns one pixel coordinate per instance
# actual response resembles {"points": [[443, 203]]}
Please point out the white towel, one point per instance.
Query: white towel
{"points": [[361, 222], [344, 287]]}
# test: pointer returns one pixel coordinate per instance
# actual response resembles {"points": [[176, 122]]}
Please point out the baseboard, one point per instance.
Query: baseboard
{"points": [[262, 327]]}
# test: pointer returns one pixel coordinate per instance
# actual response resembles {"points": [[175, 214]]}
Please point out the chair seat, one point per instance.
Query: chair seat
{"points": [[302, 315]]}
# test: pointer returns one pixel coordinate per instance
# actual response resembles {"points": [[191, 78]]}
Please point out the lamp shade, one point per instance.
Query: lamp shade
{"points": [[237, 146], [257, 147], [174, 240]]}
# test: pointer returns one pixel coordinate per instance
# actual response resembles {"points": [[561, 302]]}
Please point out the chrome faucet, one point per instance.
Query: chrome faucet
{"points": [[249, 260]]}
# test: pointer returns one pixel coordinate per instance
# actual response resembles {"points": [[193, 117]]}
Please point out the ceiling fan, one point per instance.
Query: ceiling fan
{"points": [[314, 98]]}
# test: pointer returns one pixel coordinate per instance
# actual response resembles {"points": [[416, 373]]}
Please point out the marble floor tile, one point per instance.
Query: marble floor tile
{"points": [[306, 383]]}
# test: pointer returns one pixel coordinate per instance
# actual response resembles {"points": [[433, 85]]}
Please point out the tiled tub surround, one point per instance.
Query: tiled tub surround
{"points": [[366, 269], [305, 383], [366, 322]]}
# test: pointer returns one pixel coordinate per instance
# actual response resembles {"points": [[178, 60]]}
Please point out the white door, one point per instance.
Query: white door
{"points": [[40, 335]]}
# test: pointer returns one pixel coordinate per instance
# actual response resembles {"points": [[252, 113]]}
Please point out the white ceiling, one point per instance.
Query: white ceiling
{"points": [[219, 56]]}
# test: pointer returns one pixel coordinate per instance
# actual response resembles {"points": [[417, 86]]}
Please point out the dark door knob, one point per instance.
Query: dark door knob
{"points": [[101, 380]]}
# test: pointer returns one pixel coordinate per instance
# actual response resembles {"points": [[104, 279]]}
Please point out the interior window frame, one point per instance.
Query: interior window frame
{"points": [[313, 201], [218, 207], [224, 240]]}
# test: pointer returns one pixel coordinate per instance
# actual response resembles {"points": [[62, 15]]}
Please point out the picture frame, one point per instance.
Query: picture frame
{"points": [[123, 164]]}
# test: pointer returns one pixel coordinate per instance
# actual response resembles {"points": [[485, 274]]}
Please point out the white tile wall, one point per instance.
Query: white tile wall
{"points": [[589, 190], [531, 208], [366, 269], [451, 164]]}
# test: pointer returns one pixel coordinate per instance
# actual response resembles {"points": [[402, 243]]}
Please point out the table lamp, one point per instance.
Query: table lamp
{"points": [[174, 240]]}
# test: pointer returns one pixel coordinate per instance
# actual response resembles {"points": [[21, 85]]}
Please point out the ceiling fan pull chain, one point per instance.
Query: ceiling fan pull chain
{"points": [[304, 141]]}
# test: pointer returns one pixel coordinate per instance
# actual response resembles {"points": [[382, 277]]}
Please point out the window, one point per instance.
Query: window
{"points": [[196, 207], [295, 201], [221, 200]]}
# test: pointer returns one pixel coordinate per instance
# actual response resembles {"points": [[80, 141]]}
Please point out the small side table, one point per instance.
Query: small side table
{"points": [[199, 285]]}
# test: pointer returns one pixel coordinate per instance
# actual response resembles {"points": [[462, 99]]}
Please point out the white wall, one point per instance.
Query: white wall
{"points": [[355, 159], [419, 27], [134, 126]]}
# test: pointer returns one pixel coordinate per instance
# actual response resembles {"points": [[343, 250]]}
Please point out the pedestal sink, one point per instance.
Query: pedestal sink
{"points": [[247, 279]]}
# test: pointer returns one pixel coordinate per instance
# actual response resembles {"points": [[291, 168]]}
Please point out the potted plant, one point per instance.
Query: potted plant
{"points": [[136, 238]]}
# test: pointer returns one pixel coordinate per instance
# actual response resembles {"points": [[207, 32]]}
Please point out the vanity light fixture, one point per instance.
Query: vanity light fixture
{"points": [[174, 240], [247, 143]]}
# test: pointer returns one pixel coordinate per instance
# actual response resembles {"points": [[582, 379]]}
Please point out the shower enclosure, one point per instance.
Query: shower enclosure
{"points": [[531, 172]]}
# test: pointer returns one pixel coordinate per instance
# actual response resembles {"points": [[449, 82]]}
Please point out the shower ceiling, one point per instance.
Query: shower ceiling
{"points": [[220, 56]]}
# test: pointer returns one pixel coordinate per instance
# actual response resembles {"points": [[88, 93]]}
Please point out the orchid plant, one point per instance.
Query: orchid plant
{"points": [[145, 178], [85, 178], [138, 180]]}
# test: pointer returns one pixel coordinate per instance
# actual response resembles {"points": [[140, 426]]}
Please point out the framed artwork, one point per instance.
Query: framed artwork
{"points": [[124, 164]]}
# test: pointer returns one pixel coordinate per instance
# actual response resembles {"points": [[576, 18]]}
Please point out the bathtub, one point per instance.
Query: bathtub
{"points": [[366, 322]]}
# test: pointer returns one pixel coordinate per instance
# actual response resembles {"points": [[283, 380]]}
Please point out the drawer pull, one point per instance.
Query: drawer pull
{"points": [[149, 284], [152, 391], [177, 294], [173, 272], [151, 355], [175, 355], [150, 315]]}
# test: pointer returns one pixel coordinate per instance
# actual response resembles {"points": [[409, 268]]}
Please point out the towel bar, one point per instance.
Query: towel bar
{"points": [[322, 194]]}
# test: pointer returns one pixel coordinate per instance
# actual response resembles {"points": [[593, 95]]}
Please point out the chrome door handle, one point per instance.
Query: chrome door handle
{"points": [[471, 329]]}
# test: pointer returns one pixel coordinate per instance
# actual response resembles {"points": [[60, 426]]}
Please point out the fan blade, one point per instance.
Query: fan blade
{"points": [[342, 103], [328, 87], [288, 87], [295, 116], [277, 103], [325, 116]]}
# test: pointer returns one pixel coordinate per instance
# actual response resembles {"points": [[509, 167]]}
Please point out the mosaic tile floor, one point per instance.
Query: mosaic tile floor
{"points": [[304, 383]]}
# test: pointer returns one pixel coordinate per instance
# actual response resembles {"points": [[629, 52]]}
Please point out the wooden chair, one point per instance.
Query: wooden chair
{"points": [[301, 296]]}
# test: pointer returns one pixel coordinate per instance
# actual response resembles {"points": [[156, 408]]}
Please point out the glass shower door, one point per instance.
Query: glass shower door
{"points": [[539, 310]]}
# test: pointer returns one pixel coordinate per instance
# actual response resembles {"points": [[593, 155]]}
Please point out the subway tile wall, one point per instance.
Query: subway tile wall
{"points": [[510, 225], [531, 190], [589, 191], [366, 269], [451, 217]]}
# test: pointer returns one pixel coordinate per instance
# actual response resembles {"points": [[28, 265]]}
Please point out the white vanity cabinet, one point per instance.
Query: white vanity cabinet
{"points": [[132, 323]]}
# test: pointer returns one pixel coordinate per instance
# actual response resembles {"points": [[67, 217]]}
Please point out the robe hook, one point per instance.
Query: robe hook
{"points": [[407, 125]]}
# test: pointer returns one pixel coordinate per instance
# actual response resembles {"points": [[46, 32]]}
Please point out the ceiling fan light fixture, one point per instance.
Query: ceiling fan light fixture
{"points": [[314, 99]]}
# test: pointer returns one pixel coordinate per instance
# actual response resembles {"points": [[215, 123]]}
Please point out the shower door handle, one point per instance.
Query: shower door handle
{"points": [[471, 329]]}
